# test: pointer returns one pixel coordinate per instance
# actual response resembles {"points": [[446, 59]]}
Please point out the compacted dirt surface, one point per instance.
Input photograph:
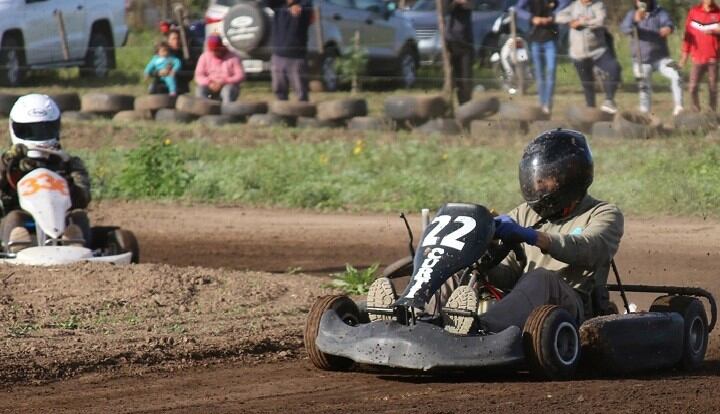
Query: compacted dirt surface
{"points": [[212, 322]]}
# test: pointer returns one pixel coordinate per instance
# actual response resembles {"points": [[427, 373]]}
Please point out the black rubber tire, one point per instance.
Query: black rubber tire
{"points": [[582, 118], [66, 101], [125, 116], [691, 123], [243, 108], [327, 71], [12, 62], [197, 106], [6, 103], [216, 120], [251, 27], [635, 125], [154, 102], [106, 103], [174, 116], [536, 128], [477, 109], [303, 122], [122, 241], [99, 57], [293, 108], [695, 338], [496, 128], [73, 116], [348, 311], [442, 126], [341, 109], [604, 130], [399, 268], [552, 343], [266, 120], [513, 111], [369, 123], [417, 109]]}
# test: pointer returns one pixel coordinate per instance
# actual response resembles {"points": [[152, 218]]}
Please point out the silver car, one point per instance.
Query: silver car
{"points": [[388, 37]]}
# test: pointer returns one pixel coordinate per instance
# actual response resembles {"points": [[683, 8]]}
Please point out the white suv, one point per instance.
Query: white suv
{"points": [[31, 36]]}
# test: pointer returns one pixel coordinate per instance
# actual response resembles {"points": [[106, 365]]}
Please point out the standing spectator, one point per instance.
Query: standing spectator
{"points": [[163, 67], [218, 72], [288, 63], [650, 25], [590, 48], [543, 39], [187, 69], [701, 43], [459, 37]]}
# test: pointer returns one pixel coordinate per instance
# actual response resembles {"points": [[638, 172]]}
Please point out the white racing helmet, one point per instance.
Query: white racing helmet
{"points": [[35, 123]]}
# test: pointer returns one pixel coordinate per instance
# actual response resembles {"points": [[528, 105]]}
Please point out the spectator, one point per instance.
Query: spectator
{"points": [[701, 44], [185, 74], [650, 25], [289, 46], [163, 67], [218, 72], [543, 38], [590, 48], [459, 39]]}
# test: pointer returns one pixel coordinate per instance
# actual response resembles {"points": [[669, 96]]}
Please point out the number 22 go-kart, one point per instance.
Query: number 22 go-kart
{"points": [[338, 332]]}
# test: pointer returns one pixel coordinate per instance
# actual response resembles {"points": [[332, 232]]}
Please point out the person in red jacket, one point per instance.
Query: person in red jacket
{"points": [[218, 72], [702, 28]]}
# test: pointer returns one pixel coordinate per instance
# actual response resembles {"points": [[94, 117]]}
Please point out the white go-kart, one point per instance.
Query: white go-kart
{"points": [[45, 196]]}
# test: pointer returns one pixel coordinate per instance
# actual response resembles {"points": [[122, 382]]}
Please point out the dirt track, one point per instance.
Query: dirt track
{"points": [[263, 369]]}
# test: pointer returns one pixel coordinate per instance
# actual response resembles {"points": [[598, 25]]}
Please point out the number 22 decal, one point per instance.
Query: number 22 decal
{"points": [[451, 240]]}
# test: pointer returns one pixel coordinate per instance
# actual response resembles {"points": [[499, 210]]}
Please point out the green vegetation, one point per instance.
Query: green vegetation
{"points": [[353, 281]]}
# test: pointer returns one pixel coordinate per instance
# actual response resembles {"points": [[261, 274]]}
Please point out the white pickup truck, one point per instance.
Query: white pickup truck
{"points": [[59, 33]]}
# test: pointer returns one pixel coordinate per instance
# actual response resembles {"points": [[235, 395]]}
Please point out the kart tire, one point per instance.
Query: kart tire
{"points": [[197, 106], [552, 343], [417, 109], [348, 312], [538, 127], [497, 129], [154, 102], [6, 103], [690, 123], [293, 108], [513, 111], [582, 118], [266, 120], [122, 241], [695, 328], [216, 120], [243, 108], [369, 123], [636, 125], [124, 116], [175, 116], [341, 109], [78, 116], [476, 109], [442, 126], [251, 27], [106, 103], [303, 122], [66, 101], [399, 268], [604, 130]]}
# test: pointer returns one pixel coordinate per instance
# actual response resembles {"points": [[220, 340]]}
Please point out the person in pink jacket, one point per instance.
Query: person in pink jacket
{"points": [[218, 72]]}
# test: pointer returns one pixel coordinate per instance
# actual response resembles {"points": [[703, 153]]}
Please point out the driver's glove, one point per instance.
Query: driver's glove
{"points": [[16, 152], [507, 230]]}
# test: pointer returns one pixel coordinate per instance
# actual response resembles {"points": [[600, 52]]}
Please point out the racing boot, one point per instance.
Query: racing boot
{"points": [[463, 299], [19, 235], [381, 294]]}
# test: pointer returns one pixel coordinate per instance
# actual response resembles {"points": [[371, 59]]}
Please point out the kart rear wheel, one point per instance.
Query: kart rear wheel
{"points": [[122, 241], [695, 326], [552, 343], [348, 312], [399, 268]]}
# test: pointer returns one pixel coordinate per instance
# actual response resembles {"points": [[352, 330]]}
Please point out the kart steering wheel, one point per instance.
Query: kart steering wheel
{"points": [[497, 252]]}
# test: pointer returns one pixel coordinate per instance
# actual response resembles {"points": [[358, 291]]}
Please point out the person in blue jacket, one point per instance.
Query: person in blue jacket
{"points": [[164, 66]]}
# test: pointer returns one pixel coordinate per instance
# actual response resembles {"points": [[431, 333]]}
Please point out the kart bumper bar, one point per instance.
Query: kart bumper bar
{"points": [[422, 346]]}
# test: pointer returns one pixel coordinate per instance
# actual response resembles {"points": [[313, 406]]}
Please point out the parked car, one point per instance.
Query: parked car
{"points": [[31, 36], [388, 37]]}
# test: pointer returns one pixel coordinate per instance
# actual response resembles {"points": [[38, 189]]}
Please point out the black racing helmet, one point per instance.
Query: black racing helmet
{"points": [[556, 170]]}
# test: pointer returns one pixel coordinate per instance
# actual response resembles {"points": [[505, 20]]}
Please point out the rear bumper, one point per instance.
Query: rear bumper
{"points": [[421, 347]]}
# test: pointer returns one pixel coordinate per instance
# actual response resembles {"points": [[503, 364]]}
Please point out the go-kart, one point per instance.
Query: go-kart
{"points": [[45, 196], [551, 345]]}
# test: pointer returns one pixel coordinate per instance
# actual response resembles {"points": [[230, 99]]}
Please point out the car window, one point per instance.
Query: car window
{"points": [[341, 3], [424, 5], [34, 1], [370, 5]]}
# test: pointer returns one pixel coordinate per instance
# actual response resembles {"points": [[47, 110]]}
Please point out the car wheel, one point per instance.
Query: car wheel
{"points": [[348, 312], [328, 72], [408, 68], [12, 62], [98, 57]]}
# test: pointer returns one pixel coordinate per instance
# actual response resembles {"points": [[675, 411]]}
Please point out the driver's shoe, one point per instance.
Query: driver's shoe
{"points": [[19, 235], [464, 299], [381, 294]]}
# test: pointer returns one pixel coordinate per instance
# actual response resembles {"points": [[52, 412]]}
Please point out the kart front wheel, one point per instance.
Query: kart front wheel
{"points": [[123, 241], [552, 343], [348, 311], [695, 327]]}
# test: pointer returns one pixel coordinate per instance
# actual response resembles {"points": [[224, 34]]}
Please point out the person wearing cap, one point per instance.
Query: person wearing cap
{"points": [[218, 73]]}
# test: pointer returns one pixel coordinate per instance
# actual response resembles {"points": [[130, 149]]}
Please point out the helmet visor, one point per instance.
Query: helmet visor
{"points": [[540, 179], [37, 131]]}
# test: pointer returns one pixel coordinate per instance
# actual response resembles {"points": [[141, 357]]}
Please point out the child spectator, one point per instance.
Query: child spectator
{"points": [[701, 44], [164, 66], [218, 72], [650, 25]]}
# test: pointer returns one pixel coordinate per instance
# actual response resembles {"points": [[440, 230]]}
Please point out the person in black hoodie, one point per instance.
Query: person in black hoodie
{"points": [[543, 37], [289, 38], [459, 38]]}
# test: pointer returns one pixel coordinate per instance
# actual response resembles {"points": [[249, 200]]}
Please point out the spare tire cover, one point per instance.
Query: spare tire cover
{"points": [[244, 27]]}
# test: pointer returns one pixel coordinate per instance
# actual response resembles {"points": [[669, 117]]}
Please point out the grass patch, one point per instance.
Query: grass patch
{"points": [[353, 281]]}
